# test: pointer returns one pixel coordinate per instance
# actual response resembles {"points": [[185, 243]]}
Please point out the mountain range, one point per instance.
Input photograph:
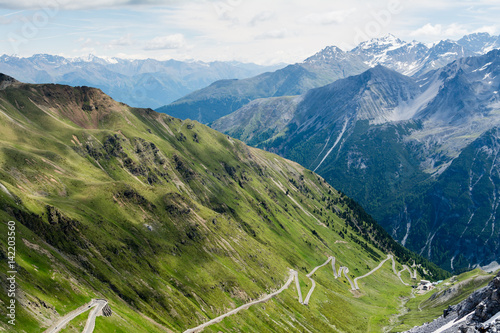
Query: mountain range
{"points": [[141, 83], [419, 153], [172, 224], [408, 58]]}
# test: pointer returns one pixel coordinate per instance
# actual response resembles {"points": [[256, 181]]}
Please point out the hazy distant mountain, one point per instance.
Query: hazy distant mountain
{"points": [[327, 66], [223, 97], [145, 83], [420, 154]]}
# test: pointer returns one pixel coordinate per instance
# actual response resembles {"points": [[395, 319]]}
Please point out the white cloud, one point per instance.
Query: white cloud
{"points": [[438, 30], [261, 31], [85, 42], [428, 30], [491, 29], [122, 41], [262, 17], [273, 34], [455, 29], [176, 41], [332, 17], [82, 4]]}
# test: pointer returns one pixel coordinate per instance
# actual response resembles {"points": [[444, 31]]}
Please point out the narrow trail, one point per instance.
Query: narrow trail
{"points": [[295, 276]]}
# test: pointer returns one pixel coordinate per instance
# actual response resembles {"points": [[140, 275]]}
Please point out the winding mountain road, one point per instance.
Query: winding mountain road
{"points": [[245, 306], [344, 270], [295, 276], [297, 285], [356, 287], [97, 304], [413, 275], [306, 301], [96, 311]]}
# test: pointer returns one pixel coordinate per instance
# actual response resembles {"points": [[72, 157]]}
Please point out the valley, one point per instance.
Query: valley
{"points": [[175, 225], [418, 153]]}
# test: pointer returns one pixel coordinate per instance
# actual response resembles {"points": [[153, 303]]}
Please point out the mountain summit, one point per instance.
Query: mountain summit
{"points": [[330, 64]]}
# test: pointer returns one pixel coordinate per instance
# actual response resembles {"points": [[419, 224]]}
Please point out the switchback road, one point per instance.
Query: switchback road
{"points": [[295, 276], [99, 304]]}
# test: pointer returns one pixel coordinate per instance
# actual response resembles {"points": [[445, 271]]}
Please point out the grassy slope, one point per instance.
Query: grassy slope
{"points": [[89, 175]]}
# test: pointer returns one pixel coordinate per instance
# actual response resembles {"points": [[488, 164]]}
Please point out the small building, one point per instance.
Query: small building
{"points": [[424, 286]]}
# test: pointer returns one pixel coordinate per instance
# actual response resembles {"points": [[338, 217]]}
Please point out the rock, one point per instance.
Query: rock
{"points": [[484, 303]]}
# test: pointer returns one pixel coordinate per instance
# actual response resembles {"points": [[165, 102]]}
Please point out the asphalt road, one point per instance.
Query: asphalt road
{"points": [[245, 306], [294, 276], [374, 270], [306, 301], [97, 304], [96, 311]]}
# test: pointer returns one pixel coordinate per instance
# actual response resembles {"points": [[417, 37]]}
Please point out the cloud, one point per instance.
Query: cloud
{"points": [[333, 17], [262, 17], [428, 30], [273, 34], [491, 29], [451, 30], [82, 4], [122, 41], [170, 42], [85, 42]]}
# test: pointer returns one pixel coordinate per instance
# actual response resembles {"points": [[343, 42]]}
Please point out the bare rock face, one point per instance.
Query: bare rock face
{"points": [[484, 305]]}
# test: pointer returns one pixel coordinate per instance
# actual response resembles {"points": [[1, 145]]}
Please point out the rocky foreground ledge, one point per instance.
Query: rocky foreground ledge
{"points": [[480, 312]]}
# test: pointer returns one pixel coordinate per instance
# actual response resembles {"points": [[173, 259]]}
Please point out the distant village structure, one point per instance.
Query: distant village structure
{"points": [[424, 286]]}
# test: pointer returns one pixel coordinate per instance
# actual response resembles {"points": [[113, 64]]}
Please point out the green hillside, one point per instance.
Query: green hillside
{"points": [[175, 224]]}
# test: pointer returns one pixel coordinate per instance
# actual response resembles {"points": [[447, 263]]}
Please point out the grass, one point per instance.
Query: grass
{"points": [[224, 221]]}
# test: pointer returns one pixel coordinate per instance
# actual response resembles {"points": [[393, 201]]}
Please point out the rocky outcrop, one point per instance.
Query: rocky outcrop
{"points": [[480, 312], [7, 81]]}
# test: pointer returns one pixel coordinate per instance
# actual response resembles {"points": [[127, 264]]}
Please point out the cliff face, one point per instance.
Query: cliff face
{"points": [[484, 305]]}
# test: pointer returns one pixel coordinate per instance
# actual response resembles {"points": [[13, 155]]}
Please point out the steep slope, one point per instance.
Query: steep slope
{"points": [[412, 151], [142, 83], [431, 304], [175, 224], [328, 113]]}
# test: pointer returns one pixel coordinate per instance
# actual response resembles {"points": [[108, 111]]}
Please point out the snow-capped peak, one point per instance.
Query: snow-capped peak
{"points": [[387, 41], [93, 58], [327, 54]]}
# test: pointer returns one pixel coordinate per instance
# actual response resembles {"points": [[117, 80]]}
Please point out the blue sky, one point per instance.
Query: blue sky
{"points": [[258, 31]]}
